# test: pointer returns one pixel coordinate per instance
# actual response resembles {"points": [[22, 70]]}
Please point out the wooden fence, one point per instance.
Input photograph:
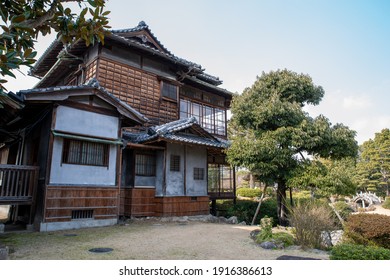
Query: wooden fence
{"points": [[18, 184]]}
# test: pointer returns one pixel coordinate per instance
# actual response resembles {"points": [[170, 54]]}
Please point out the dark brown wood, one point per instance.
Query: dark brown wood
{"points": [[18, 183], [62, 200], [182, 206], [89, 108]]}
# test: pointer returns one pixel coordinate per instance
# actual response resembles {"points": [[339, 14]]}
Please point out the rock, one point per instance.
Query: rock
{"points": [[232, 220], [268, 245], [4, 252], [336, 236], [254, 233], [242, 223], [222, 220], [212, 219]]}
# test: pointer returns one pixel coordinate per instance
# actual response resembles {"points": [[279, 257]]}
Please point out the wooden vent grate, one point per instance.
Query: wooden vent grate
{"points": [[82, 214]]}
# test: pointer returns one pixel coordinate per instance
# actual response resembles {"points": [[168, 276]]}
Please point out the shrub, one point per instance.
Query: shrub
{"points": [[358, 252], [265, 233], [282, 239], [343, 208], [366, 229], [244, 210], [309, 221], [386, 203], [248, 192]]}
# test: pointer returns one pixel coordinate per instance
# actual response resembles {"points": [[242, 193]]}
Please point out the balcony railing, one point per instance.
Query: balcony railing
{"points": [[18, 183]]}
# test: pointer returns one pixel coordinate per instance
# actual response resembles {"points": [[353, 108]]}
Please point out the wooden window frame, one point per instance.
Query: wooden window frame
{"points": [[199, 173], [145, 165], [168, 97], [84, 153], [174, 164]]}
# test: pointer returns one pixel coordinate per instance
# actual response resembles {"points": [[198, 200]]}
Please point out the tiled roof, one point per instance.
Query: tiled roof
{"points": [[173, 131], [91, 84]]}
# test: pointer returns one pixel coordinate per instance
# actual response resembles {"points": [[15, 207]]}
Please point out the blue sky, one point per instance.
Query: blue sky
{"points": [[343, 45]]}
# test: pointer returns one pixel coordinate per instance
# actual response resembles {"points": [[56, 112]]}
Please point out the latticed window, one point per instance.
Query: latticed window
{"points": [[211, 119], [85, 152], [175, 163], [145, 165], [169, 90], [198, 173]]}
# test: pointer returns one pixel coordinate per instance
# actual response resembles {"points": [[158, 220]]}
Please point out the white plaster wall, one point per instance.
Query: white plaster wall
{"points": [[196, 157], [90, 124], [174, 179], [74, 174], [86, 123]]}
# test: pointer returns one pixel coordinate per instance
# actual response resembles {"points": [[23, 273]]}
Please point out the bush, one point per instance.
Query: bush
{"points": [[386, 204], [282, 239], [358, 252], [244, 210], [309, 221], [367, 229], [343, 209], [248, 192]]}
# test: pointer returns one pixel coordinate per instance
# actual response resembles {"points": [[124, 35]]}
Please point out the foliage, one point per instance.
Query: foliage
{"points": [[266, 234], [309, 221], [326, 177], [374, 164], [368, 229], [386, 203], [269, 129], [244, 210], [343, 209], [265, 230], [248, 192], [24, 21], [346, 251]]}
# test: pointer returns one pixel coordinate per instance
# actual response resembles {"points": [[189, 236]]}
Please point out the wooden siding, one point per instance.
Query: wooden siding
{"points": [[62, 200], [182, 206], [140, 89], [137, 202]]}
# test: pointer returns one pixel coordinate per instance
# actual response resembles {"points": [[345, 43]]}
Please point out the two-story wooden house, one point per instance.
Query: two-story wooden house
{"points": [[123, 129]]}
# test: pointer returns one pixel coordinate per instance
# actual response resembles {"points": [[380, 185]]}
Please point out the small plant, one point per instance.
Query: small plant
{"points": [[358, 252], [281, 239], [265, 230], [309, 222], [366, 229], [248, 192], [386, 203]]}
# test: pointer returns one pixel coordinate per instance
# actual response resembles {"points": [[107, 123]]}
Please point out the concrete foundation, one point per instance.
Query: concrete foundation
{"points": [[76, 224]]}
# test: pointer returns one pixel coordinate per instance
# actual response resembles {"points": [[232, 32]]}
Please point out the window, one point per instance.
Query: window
{"points": [[145, 165], [211, 119], [198, 173], [175, 163], [85, 153], [169, 90]]}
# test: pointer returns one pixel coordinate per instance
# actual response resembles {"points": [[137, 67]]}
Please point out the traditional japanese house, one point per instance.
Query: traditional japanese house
{"points": [[125, 129]]}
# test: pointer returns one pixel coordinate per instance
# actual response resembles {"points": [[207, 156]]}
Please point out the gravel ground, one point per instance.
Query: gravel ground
{"points": [[148, 240]]}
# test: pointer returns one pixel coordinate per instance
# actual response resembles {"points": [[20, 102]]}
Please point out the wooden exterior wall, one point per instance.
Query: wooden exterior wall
{"points": [[136, 202], [62, 200], [182, 206], [140, 89]]}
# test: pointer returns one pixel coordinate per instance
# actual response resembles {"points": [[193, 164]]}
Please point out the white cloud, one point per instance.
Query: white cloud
{"points": [[356, 102]]}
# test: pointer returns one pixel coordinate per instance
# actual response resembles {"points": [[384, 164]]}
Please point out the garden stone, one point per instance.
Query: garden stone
{"points": [[222, 220], [3, 252], [232, 220], [268, 245]]}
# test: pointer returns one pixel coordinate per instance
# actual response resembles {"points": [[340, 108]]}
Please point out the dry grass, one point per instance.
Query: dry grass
{"points": [[151, 240]]}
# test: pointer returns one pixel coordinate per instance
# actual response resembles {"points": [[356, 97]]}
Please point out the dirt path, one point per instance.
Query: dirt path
{"points": [[148, 240]]}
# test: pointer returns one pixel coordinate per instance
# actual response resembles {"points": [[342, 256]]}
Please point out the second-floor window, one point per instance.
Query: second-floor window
{"points": [[211, 119], [169, 91]]}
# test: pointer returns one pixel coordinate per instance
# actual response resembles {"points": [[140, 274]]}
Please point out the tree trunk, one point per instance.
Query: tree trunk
{"points": [[282, 207], [259, 205]]}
